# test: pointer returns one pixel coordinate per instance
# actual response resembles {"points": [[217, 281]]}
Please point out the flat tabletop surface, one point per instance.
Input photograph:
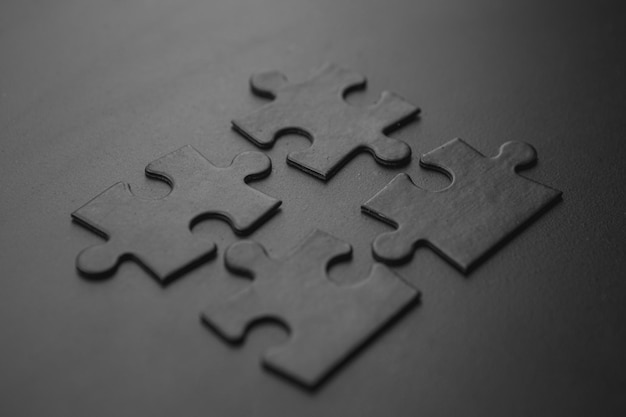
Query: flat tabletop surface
{"points": [[93, 91]]}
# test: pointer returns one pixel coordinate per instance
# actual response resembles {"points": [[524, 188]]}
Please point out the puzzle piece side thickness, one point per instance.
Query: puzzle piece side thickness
{"points": [[155, 233], [316, 109], [485, 204], [327, 322]]}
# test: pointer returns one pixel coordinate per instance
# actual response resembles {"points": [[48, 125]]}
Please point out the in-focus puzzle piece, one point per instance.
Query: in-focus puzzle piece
{"points": [[316, 109], [327, 322], [485, 204], [156, 233]]}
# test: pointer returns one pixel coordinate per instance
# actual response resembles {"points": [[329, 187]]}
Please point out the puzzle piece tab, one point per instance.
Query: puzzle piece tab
{"points": [[485, 204], [156, 233], [327, 322], [316, 109]]}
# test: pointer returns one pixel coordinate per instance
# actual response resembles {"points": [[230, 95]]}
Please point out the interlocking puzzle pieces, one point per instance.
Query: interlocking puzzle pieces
{"points": [[316, 109], [327, 322], [485, 204], [156, 233]]}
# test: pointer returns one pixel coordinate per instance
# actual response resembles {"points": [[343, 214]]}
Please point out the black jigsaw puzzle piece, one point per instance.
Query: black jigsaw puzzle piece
{"points": [[327, 322], [316, 109], [485, 204], [156, 233]]}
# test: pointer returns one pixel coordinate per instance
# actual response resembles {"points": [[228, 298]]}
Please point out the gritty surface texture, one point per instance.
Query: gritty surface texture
{"points": [[92, 91]]}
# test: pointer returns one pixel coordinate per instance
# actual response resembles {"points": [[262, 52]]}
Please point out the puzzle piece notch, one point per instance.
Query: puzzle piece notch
{"points": [[155, 233], [317, 110], [327, 322], [486, 203]]}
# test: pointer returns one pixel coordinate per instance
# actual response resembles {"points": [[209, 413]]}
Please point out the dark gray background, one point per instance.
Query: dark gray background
{"points": [[92, 91]]}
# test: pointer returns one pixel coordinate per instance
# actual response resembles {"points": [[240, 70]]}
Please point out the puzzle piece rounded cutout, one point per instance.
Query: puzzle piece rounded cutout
{"points": [[317, 110], [327, 322], [156, 233], [486, 203]]}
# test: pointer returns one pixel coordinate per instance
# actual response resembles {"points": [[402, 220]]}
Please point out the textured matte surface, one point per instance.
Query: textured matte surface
{"points": [[156, 233], [91, 91], [484, 205], [326, 322], [316, 109]]}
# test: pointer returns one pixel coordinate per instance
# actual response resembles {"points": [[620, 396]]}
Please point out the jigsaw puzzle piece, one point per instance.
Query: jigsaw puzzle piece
{"points": [[156, 233], [486, 203], [158, 240], [317, 110], [326, 322]]}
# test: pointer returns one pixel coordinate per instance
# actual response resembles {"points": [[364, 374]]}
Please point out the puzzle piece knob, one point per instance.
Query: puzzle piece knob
{"points": [[393, 247], [255, 165], [244, 257], [267, 84], [518, 155], [390, 151], [97, 262]]}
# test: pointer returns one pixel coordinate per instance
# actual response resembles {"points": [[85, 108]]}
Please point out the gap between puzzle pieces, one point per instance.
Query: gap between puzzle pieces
{"points": [[327, 323], [485, 205], [316, 108], [156, 233]]}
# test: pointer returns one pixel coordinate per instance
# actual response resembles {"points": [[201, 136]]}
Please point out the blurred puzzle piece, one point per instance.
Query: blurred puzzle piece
{"points": [[485, 204], [326, 322], [156, 233], [317, 110]]}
